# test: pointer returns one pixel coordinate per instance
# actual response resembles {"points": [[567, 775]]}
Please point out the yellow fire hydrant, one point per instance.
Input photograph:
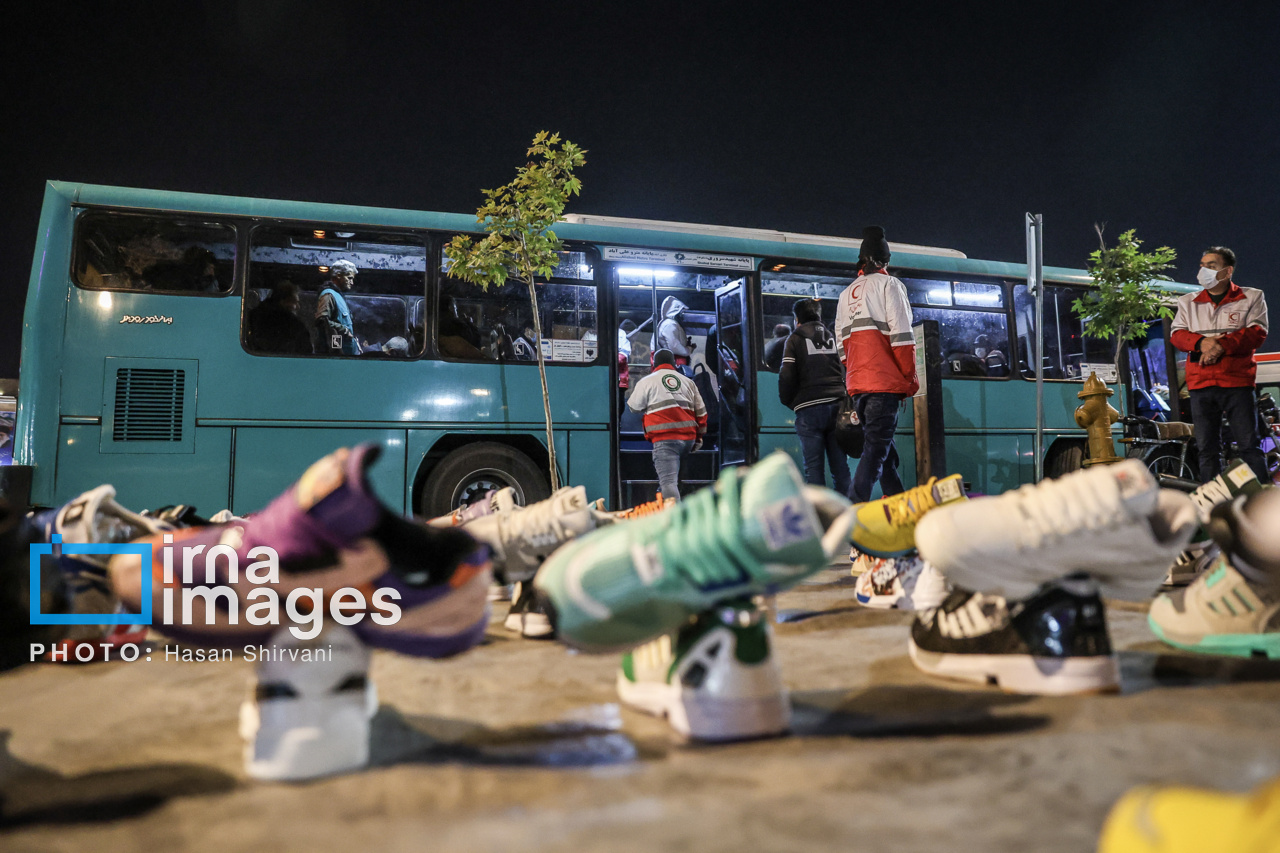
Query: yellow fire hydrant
{"points": [[1096, 416]]}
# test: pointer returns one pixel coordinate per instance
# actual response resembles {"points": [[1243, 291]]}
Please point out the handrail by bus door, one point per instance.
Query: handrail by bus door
{"points": [[1035, 278]]}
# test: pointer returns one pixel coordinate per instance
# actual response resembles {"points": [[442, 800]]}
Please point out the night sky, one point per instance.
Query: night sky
{"points": [[945, 123]]}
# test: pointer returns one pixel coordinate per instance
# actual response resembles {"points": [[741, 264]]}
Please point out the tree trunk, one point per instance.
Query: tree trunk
{"points": [[553, 469], [1124, 396]]}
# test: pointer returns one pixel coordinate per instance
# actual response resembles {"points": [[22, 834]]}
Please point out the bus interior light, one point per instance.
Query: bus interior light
{"points": [[319, 234], [323, 269], [644, 271]]}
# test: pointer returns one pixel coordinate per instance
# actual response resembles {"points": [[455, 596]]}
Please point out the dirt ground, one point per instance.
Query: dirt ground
{"points": [[522, 746]]}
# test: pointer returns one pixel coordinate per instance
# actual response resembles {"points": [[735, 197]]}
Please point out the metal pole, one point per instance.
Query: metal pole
{"points": [[1035, 275]]}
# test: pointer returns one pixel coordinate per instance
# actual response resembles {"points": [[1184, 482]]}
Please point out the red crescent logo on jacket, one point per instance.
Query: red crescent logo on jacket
{"points": [[1233, 317], [857, 290]]}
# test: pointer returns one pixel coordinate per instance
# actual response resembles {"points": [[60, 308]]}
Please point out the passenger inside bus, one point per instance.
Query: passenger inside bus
{"points": [[274, 327], [774, 347], [457, 336]]}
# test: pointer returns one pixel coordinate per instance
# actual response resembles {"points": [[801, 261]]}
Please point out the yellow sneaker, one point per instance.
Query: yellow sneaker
{"points": [[1154, 819], [887, 527]]}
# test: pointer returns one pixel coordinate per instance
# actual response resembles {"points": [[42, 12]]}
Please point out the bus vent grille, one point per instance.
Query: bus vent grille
{"points": [[149, 404]]}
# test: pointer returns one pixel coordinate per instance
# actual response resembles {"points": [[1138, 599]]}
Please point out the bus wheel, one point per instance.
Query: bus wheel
{"points": [[1064, 457], [468, 472]]}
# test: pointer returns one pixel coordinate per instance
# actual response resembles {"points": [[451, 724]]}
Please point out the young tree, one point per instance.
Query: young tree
{"points": [[1128, 294], [521, 244]]}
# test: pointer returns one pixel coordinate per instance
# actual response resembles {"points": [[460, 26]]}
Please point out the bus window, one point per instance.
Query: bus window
{"points": [[496, 324], [780, 291], [314, 290], [974, 326], [1068, 353], [122, 251]]}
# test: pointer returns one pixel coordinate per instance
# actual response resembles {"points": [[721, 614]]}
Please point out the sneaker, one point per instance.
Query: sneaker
{"points": [[1054, 642], [331, 532], [1169, 819], [309, 712], [886, 528], [17, 634], [528, 616], [1191, 563], [1234, 608], [94, 518], [904, 583], [1112, 521], [658, 504], [756, 531], [1240, 480], [861, 563], [716, 680], [494, 500], [522, 537]]}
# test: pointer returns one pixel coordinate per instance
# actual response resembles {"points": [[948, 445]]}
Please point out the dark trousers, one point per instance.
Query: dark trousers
{"points": [[879, 463], [816, 427], [1207, 407]]}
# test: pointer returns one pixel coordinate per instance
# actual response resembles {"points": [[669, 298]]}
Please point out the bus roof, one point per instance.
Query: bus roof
{"points": [[591, 228]]}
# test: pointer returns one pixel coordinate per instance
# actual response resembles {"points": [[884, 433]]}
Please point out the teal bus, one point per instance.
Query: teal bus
{"points": [[170, 347]]}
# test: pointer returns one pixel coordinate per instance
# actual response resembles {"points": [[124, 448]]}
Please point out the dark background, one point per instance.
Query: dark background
{"points": [[943, 122]]}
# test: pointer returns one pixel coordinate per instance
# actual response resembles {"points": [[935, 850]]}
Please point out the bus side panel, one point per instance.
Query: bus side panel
{"points": [[269, 459], [36, 440], [589, 462], [146, 480]]}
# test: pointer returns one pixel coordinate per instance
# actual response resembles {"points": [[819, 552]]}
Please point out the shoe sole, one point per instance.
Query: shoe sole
{"points": [[1027, 674], [335, 740], [1230, 645], [531, 626], [707, 719]]}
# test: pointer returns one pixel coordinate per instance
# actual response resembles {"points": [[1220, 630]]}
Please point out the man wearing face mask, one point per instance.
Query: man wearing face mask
{"points": [[1220, 328]]}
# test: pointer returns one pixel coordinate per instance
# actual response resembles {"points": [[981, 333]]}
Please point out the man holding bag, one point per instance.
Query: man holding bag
{"points": [[811, 383], [874, 339]]}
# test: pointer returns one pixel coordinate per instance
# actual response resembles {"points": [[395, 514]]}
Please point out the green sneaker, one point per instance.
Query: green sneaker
{"points": [[1234, 607], [753, 532], [716, 680]]}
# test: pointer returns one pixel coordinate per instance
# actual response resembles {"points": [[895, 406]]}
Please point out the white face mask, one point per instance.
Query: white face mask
{"points": [[1207, 277]]}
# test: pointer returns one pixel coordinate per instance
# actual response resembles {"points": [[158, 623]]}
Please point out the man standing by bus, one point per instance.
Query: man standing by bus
{"points": [[333, 318], [874, 340], [1220, 328], [675, 418]]}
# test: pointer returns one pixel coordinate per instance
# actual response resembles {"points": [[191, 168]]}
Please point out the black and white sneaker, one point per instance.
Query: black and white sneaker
{"points": [[1054, 642], [1191, 563], [528, 615]]}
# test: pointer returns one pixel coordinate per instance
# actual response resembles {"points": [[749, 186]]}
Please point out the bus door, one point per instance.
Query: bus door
{"points": [[734, 374], [646, 293]]}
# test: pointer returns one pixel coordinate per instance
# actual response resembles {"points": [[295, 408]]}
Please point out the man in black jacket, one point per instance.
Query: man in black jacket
{"points": [[811, 383]]}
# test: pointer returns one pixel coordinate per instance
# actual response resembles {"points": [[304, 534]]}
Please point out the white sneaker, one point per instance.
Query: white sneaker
{"points": [[1112, 521], [904, 583], [309, 717], [528, 616], [715, 680], [1240, 480], [495, 500], [522, 537]]}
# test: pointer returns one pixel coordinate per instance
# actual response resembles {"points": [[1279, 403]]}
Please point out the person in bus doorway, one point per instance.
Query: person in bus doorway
{"points": [[1220, 328], [333, 317], [811, 383], [671, 335], [874, 340], [675, 418], [774, 346]]}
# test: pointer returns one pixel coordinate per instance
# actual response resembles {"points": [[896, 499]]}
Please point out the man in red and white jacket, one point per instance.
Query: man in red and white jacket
{"points": [[1220, 328], [874, 340], [675, 418]]}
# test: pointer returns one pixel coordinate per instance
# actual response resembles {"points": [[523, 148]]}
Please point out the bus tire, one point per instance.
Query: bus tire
{"points": [[1064, 457], [468, 472]]}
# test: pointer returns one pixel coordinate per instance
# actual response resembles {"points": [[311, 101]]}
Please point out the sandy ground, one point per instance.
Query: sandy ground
{"points": [[522, 746]]}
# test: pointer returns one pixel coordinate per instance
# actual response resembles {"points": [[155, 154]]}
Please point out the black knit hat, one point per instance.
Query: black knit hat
{"points": [[664, 356], [874, 246]]}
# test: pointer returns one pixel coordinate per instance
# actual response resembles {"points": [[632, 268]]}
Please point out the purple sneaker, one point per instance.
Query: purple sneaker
{"points": [[424, 590]]}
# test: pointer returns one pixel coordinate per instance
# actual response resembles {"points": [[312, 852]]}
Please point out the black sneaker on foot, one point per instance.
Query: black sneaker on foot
{"points": [[528, 614], [1054, 642]]}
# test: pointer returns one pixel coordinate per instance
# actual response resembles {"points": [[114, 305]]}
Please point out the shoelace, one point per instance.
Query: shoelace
{"points": [[540, 523], [907, 507], [658, 504], [702, 540], [1066, 507]]}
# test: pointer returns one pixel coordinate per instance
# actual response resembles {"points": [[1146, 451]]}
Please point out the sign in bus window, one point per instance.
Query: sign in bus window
{"points": [[318, 290], [496, 323], [123, 251]]}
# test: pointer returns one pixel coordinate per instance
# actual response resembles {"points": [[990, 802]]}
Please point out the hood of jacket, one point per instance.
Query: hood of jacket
{"points": [[671, 308]]}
